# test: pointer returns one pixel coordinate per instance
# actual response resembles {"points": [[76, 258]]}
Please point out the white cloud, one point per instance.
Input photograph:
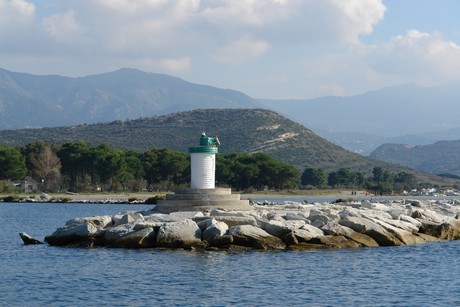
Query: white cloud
{"points": [[360, 16], [15, 13], [425, 58], [240, 51], [62, 27]]}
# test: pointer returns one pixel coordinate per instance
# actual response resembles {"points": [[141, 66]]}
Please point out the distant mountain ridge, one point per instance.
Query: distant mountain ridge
{"points": [[361, 123], [439, 158], [48, 101]]}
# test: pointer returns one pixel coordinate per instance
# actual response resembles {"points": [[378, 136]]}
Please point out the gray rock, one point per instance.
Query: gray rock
{"points": [[318, 220], [295, 216], [127, 217], [360, 238], [427, 215], [290, 239], [372, 229], [307, 232], [445, 231], [214, 230], [405, 236], [147, 224], [178, 234], [127, 236], [28, 240], [82, 234], [45, 197], [254, 237], [280, 228], [411, 220], [98, 221], [237, 220], [161, 218]]}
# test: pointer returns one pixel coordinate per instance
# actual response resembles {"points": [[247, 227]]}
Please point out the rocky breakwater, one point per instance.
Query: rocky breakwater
{"points": [[287, 225]]}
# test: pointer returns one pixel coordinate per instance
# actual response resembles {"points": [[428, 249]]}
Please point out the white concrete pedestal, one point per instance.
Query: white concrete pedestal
{"points": [[203, 200]]}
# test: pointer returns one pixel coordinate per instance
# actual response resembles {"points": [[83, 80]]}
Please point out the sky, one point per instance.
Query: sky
{"points": [[274, 49]]}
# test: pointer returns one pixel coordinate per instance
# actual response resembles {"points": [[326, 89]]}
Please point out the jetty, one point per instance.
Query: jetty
{"points": [[267, 226]]}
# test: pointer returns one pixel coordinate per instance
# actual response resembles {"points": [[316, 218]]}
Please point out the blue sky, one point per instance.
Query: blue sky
{"points": [[264, 48]]}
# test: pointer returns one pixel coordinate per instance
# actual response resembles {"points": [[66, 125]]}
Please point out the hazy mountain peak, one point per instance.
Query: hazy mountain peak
{"points": [[46, 101]]}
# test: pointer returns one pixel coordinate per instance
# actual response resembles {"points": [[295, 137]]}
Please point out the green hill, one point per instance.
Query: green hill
{"points": [[239, 130]]}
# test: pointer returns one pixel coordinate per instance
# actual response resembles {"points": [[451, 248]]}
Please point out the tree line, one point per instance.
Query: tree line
{"points": [[381, 180], [78, 167]]}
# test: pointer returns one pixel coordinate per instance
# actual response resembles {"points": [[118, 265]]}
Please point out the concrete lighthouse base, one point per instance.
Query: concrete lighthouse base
{"points": [[202, 200]]}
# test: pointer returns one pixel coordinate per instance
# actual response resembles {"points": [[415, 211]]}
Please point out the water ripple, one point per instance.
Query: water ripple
{"points": [[423, 275]]}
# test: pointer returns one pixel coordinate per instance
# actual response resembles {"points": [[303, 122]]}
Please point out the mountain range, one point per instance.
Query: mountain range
{"points": [[440, 158], [48, 101], [407, 114]]}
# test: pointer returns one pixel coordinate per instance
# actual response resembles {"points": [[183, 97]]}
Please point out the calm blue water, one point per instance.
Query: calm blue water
{"points": [[39, 275]]}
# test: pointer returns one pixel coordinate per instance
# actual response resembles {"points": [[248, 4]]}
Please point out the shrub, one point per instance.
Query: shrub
{"points": [[11, 198]]}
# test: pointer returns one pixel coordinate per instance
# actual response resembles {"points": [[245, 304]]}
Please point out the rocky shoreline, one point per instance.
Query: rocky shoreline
{"points": [[270, 226]]}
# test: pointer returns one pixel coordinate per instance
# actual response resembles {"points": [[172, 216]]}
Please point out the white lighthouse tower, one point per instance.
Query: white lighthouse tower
{"points": [[203, 194], [203, 163]]}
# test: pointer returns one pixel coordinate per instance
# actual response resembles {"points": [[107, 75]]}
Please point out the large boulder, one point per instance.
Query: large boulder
{"points": [[339, 230], [301, 215], [236, 220], [405, 236], [74, 234], [98, 221], [411, 220], [426, 215], [127, 217], [214, 230], [307, 232], [130, 236], [254, 237], [320, 218], [279, 228], [444, 231], [372, 229], [178, 234]]}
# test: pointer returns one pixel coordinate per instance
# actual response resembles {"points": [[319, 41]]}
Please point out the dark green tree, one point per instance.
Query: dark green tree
{"points": [[12, 164], [333, 179], [313, 176], [110, 165], [76, 163], [405, 181], [161, 165]]}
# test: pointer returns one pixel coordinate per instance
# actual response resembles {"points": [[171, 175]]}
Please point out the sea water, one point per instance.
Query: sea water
{"points": [[42, 275]]}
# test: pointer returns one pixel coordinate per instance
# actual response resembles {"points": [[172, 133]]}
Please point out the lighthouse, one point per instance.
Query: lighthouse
{"points": [[203, 163], [203, 195]]}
